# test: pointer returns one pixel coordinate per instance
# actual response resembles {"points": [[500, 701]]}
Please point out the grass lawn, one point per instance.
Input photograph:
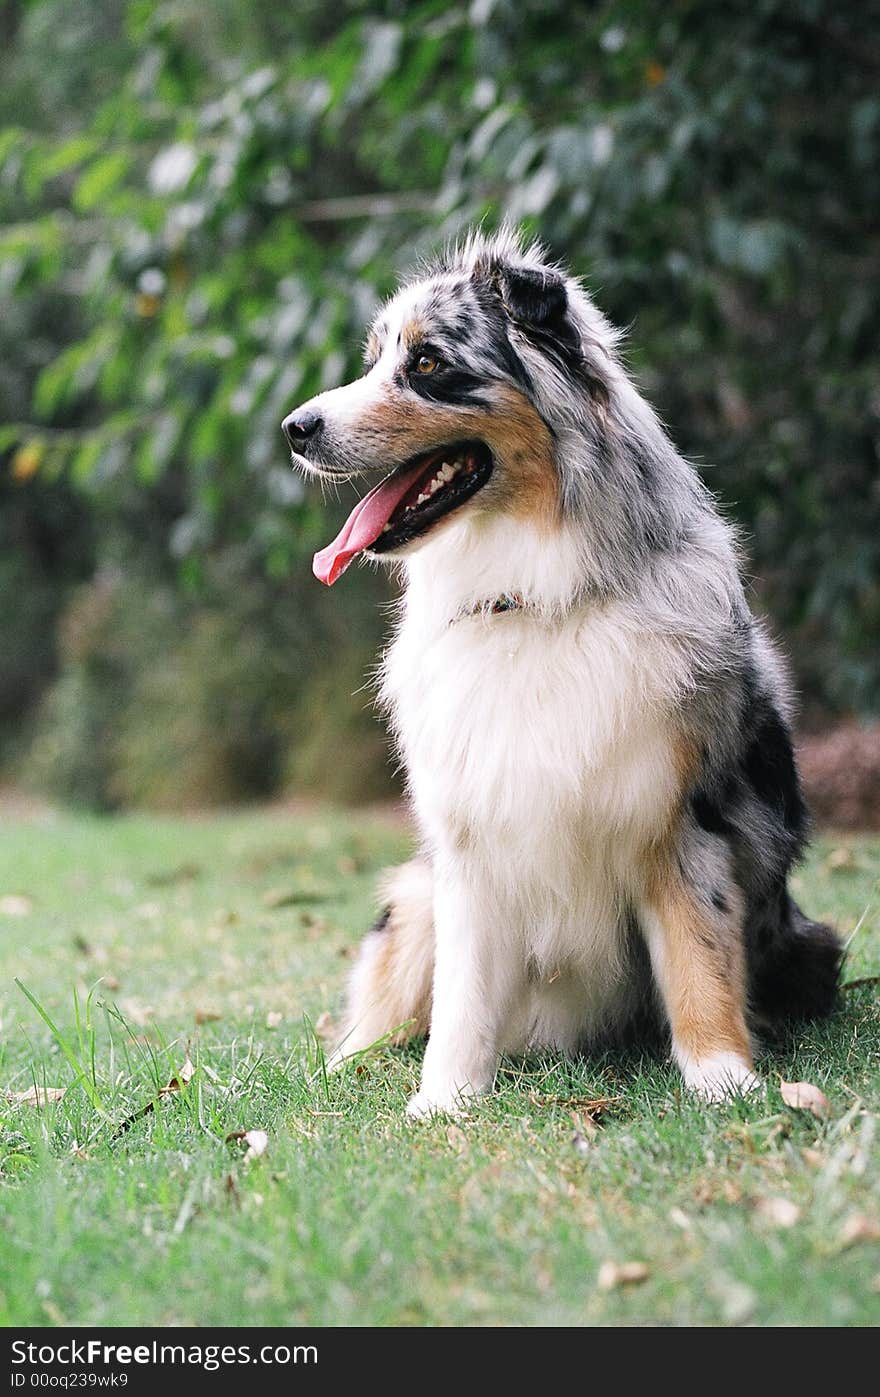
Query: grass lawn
{"points": [[225, 939]]}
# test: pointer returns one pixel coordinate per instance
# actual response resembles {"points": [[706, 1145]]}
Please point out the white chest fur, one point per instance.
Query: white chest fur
{"points": [[540, 760], [513, 722]]}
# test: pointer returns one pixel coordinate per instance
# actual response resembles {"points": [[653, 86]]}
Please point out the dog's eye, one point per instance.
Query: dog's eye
{"points": [[426, 364]]}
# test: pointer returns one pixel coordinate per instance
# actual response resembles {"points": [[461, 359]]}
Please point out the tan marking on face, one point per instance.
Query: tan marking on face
{"points": [[527, 484], [398, 425], [703, 963], [413, 334]]}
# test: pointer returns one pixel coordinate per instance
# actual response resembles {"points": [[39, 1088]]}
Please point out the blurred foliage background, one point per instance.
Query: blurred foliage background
{"points": [[201, 205]]}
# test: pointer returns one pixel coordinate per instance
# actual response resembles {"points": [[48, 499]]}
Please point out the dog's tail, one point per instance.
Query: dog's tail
{"points": [[797, 974], [389, 994]]}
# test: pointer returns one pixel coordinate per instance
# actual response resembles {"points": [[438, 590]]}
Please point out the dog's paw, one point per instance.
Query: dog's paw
{"points": [[720, 1077], [424, 1106]]}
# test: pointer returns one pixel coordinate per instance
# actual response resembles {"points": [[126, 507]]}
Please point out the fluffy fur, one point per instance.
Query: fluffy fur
{"points": [[602, 775]]}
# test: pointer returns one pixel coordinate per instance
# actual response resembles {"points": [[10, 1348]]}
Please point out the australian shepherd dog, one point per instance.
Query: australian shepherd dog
{"points": [[594, 728]]}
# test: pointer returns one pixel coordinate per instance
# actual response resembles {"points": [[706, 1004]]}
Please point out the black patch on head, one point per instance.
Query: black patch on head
{"points": [[535, 301], [449, 384], [719, 901], [535, 297]]}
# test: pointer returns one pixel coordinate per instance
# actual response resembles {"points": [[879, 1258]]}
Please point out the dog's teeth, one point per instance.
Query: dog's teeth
{"points": [[386, 528], [421, 499]]}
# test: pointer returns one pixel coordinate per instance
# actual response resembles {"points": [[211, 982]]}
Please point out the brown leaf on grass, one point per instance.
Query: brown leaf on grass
{"points": [[136, 1013], [858, 984], [182, 1078], [804, 1096], [15, 905], [110, 983], [714, 1190], [276, 898], [457, 1139], [35, 1096], [814, 1158], [207, 1016], [858, 1228], [778, 1212], [257, 1142], [613, 1274], [592, 1106], [840, 859], [167, 877], [585, 1124]]}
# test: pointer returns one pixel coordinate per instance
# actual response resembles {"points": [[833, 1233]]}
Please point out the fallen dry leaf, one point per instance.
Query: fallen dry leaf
{"points": [[585, 1124], [858, 1228], [277, 898], [182, 1078], [35, 1096], [858, 984], [207, 1016], [167, 877], [257, 1142], [613, 1274], [110, 982], [842, 858], [778, 1212], [457, 1139], [15, 905], [814, 1158], [803, 1096], [273, 1018], [135, 1012]]}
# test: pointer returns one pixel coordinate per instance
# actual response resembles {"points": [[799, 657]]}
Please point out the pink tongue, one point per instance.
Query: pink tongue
{"points": [[364, 525]]}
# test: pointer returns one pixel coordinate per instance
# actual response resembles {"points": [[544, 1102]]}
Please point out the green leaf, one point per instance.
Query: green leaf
{"points": [[102, 177]]}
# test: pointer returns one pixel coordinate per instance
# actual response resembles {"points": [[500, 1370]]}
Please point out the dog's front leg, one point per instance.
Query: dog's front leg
{"points": [[476, 983], [697, 956]]}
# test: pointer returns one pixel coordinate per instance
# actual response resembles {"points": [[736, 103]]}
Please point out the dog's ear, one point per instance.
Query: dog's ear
{"points": [[535, 300], [532, 295]]}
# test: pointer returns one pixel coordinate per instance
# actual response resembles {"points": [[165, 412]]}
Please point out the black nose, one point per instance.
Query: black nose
{"points": [[299, 426]]}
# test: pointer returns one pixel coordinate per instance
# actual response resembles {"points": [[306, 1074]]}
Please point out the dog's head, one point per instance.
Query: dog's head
{"points": [[451, 413]]}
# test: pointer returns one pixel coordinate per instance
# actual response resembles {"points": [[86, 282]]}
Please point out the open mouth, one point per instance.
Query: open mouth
{"points": [[406, 504]]}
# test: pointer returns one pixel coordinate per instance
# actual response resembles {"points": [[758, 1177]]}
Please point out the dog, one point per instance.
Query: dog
{"points": [[594, 728]]}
